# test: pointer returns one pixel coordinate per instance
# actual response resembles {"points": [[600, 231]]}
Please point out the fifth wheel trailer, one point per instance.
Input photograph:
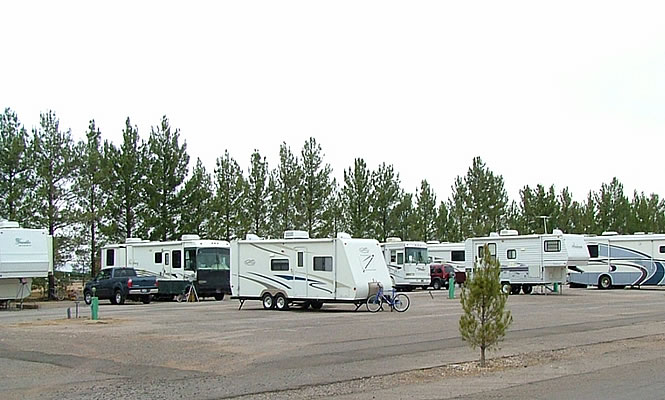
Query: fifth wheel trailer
{"points": [[307, 271], [24, 254], [622, 260], [529, 260], [206, 262]]}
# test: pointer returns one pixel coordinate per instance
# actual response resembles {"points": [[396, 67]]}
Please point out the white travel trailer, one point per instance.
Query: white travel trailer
{"points": [[449, 253], [622, 260], [24, 254], [529, 260], [206, 262], [408, 263], [311, 272]]}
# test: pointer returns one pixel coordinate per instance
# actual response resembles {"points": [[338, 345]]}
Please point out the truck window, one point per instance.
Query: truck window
{"points": [[177, 261], [457, 255], [279, 265], [110, 256], [104, 274], [323, 263]]}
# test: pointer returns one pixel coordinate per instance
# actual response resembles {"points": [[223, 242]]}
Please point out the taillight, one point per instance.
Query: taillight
{"points": [[156, 283], [129, 283]]}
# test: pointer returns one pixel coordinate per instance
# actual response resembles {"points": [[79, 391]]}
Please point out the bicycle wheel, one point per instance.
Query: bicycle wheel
{"points": [[401, 303], [373, 304]]}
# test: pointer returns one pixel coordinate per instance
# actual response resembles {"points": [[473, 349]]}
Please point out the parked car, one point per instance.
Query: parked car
{"points": [[440, 275], [117, 284]]}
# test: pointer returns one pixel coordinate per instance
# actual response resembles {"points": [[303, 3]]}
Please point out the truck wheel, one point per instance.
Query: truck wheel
{"points": [[280, 302], [146, 299], [87, 297], [219, 296], [505, 288], [527, 289], [436, 285], [604, 282], [118, 297], [267, 301]]}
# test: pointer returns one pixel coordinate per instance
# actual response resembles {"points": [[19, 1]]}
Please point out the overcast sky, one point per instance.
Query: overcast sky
{"points": [[564, 93]]}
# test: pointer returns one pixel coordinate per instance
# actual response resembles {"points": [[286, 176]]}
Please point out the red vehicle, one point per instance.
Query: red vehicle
{"points": [[440, 275]]}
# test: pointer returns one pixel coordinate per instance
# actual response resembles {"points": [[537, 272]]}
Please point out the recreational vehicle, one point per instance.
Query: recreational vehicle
{"points": [[24, 254], [206, 262], [622, 260], [408, 263], [449, 253], [307, 271], [529, 260]]}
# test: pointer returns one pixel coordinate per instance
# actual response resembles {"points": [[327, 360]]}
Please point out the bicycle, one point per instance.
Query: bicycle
{"points": [[399, 302]]}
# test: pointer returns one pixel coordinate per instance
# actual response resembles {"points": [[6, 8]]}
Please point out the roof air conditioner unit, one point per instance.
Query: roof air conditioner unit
{"points": [[296, 235], [190, 237]]}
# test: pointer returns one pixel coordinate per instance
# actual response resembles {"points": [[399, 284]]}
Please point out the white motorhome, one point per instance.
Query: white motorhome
{"points": [[311, 272], [206, 262], [24, 254], [622, 260], [529, 260], [408, 263], [449, 253]]}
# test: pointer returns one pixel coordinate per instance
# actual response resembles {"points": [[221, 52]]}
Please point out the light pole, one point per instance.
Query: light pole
{"points": [[545, 218]]}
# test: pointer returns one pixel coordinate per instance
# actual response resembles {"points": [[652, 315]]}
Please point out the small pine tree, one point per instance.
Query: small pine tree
{"points": [[484, 322]]}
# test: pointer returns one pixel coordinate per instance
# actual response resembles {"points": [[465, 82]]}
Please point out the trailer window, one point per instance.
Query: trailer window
{"points": [[177, 261], [190, 259], [400, 258], [166, 259], [323, 263], [661, 249], [492, 251], [110, 256], [511, 254], [457, 255], [393, 256], [552, 246], [158, 258], [301, 258], [279, 265], [593, 250]]}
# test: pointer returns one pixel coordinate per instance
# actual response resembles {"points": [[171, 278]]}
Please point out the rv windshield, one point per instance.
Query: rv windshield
{"points": [[416, 256], [212, 258]]}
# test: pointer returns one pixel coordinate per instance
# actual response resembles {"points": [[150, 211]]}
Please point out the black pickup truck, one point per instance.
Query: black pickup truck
{"points": [[118, 284]]}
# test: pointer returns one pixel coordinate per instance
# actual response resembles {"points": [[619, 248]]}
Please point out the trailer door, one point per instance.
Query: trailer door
{"points": [[300, 275]]}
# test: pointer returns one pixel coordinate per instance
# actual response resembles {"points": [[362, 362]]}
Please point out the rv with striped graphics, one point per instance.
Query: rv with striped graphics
{"points": [[307, 272], [529, 260], [622, 260]]}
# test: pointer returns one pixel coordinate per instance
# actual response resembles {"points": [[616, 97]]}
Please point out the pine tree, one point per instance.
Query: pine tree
{"points": [[385, 182], [425, 212], [286, 182], [442, 224], [569, 211], [316, 187], [16, 174], [647, 213], [404, 218], [127, 166], [168, 162], [587, 218], [256, 195], [458, 216], [228, 203], [195, 209], [613, 207], [537, 203], [333, 214], [356, 193], [484, 321], [90, 196]]}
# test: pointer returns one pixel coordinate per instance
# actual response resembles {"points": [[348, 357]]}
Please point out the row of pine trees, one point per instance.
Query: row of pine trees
{"points": [[93, 191]]}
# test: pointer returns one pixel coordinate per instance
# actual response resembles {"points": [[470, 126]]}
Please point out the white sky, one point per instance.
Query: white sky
{"points": [[569, 93]]}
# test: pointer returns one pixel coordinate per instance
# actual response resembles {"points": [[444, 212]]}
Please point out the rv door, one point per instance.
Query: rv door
{"points": [[300, 275]]}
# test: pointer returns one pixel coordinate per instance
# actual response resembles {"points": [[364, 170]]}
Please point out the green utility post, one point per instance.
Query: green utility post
{"points": [[451, 288], [556, 287], [94, 305]]}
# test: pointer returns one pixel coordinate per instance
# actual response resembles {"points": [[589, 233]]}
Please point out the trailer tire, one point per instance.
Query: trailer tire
{"points": [[604, 282], [219, 296], [515, 289], [268, 301], [436, 285], [281, 303], [316, 304], [527, 289], [505, 288]]}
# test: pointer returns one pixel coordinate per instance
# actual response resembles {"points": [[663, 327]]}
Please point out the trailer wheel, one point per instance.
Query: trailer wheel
{"points": [[280, 302], [316, 304], [87, 297], [219, 296], [527, 289], [267, 301], [515, 289], [436, 285], [604, 282], [505, 288]]}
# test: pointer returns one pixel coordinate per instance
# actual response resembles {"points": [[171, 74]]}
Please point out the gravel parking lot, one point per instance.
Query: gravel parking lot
{"points": [[211, 350]]}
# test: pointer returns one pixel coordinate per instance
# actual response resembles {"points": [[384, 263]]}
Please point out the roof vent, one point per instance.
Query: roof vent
{"points": [[508, 232], [639, 233], [393, 239], [433, 242], [133, 240], [494, 234], [610, 233], [557, 232], [190, 237], [251, 236], [296, 235], [8, 224], [343, 235]]}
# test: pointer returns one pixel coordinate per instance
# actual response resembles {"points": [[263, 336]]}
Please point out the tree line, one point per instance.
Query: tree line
{"points": [[92, 192]]}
